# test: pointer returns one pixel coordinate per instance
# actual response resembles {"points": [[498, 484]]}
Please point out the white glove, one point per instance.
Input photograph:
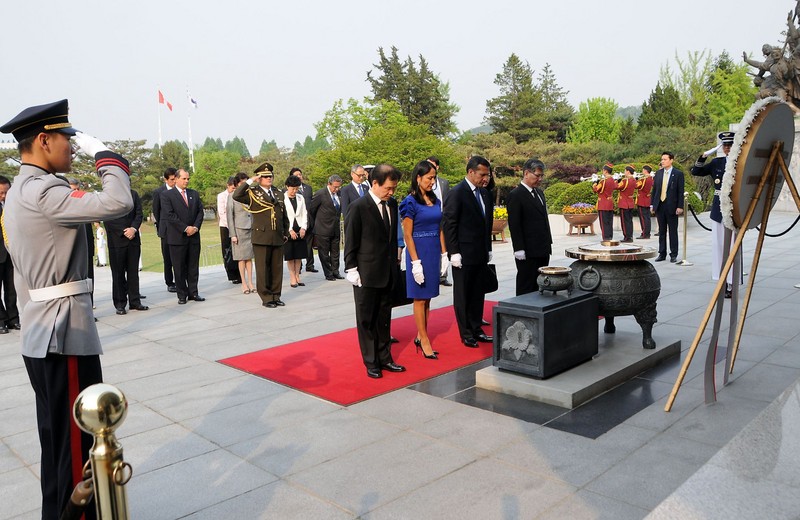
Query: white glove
{"points": [[455, 260], [519, 255], [90, 145], [490, 256], [353, 277], [709, 152], [445, 263], [416, 270], [403, 259]]}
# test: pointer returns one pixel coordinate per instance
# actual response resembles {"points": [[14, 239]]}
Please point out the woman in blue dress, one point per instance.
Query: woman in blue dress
{"points": [[426, 257]]}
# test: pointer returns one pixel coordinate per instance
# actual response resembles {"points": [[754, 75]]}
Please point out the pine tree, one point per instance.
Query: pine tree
{"points": [[519, 109], [558, 111], [664, 108]]}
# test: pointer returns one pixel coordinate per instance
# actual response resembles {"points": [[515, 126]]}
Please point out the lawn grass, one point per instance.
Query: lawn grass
{"points": [[210, 254]]}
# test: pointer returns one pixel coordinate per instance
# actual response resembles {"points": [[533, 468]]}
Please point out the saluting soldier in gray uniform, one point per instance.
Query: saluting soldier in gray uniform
{"points": [[44, 221]]}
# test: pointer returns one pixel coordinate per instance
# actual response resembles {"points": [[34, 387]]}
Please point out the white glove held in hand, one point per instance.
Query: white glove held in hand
{"points": [[353, 277], [455, 260], [445, 263], [90, 145], [519, 255], [403, 260], [490, 256], [416, 270], [709, 152]]}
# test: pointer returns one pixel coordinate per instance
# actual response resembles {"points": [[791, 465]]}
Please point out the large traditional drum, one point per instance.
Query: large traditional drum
{"points": [[624, 281]]}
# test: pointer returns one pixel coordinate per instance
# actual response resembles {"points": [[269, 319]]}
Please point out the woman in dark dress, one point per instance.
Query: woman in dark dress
{"points": [[295, 250], [426, 257]]}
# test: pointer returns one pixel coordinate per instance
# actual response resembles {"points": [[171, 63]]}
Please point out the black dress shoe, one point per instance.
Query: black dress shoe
{"points": [[172, 288], [393, 367], [15, 326], [3, 329], [728, 293], [312, 270], [392, 339], [142, 297], [469, 342], [626, 240], [197, 298], [330, 278], [270, 305], [338, 277], [121, 311], [181, 301], [301, 284], [139, 307], [483, 338], [660, 258], [446, 283], [673, 259], [279, 303], [484, 322], [236, 282], [374, 373]]}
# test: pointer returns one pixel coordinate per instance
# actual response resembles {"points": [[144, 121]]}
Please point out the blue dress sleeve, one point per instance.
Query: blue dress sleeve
{"points": [[408, 208]]}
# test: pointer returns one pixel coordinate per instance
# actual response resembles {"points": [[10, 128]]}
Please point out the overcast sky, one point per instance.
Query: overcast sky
{"points": [[270, 70]]}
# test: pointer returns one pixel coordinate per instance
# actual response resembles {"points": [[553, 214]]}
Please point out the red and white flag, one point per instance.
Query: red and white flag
{"points": [[163, 101]]}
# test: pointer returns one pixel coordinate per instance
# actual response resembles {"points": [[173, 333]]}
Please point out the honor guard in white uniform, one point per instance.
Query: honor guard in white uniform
{"points": [[46, 240]]}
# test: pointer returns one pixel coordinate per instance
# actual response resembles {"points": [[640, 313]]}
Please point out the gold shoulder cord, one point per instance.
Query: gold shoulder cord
{"points": [[3, 225], [265, 206]]}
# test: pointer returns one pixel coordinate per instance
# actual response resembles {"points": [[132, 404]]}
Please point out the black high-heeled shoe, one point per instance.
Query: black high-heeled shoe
{"points": [[418, 345]]}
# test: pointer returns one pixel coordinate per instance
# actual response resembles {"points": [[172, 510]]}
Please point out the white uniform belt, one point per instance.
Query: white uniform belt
{"points": [[61, 290], [717, 192]]}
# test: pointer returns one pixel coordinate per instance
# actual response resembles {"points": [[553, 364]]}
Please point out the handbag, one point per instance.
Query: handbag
{"points": [[488, 279], [399, 294]]}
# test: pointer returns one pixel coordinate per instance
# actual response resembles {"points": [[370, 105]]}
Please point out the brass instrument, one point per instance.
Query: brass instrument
{"points": [[593, 178]]}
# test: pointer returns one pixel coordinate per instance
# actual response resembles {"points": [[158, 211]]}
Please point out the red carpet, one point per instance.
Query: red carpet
{"points": [[330, 366]]}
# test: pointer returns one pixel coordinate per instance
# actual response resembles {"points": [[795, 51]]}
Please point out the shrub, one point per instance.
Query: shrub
{"points": [[580, 192], [555, 190]]}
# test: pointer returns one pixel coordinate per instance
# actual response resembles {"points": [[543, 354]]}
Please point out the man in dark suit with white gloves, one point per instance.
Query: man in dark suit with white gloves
{"points": [[667, 202], [370, 256], [467, 225], [529, 226], [182, 211]]}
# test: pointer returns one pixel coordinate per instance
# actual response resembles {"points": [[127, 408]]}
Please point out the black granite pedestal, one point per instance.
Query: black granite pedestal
{"points": [[542, 335]]}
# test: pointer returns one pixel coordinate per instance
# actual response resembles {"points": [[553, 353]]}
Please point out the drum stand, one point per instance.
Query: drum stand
{"points": [[732, 259]]}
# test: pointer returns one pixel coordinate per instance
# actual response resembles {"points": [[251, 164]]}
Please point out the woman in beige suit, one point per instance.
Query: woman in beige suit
{"points": [[240, 229]]}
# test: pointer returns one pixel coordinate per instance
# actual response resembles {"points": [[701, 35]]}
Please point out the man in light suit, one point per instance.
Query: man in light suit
{"points": [[325, 212], [529, 226], [467, 226], [355, 189], [370, 254], [668, 205], [161, 226], [124, 250], [307, 192], [182, 211]]}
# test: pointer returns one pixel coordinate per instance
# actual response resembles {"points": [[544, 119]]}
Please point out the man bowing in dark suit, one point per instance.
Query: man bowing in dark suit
{"points": [[182, 210], [124, 249], [467, 226], [370, 254], [668, 205], [529, 226]]}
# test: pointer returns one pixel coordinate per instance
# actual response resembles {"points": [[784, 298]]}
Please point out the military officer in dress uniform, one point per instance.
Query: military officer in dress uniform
{"points": [[44, 221], [605, 201], [626, 186], [270, 230], [716, 170]]}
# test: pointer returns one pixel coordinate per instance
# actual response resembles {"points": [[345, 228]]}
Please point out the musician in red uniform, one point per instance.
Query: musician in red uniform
{"points": [[626, 187], [605, 201], [644, 187]]}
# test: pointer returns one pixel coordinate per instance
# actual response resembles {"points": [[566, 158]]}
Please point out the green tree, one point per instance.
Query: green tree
{"points": [[212, 145], [267, 147], [519, 109], [626, 131], [237, 146], [596, 120], [422, 97], [310, 146], [691, 83], [352, 122], [663, 108], [558, 112], [730, 92], [212, 169]]}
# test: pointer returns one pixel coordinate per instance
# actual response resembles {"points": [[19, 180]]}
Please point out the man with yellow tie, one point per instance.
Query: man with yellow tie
{"points": [[668, 205]]}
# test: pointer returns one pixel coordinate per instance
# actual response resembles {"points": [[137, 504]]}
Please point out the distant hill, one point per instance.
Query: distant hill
{"points": [[485, 129], [632, 111]]}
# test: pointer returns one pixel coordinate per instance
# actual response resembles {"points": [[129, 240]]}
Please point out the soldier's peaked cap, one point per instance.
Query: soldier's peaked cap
{"points": [[726, 137], [52, 117], [264, 169]]}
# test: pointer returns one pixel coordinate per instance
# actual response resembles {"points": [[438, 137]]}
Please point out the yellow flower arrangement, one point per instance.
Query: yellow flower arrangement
{"points": [[500, 213], [579, 208]]}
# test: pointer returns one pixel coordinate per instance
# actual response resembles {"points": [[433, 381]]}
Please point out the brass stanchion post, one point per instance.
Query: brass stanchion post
{"points": [[684, 262]]}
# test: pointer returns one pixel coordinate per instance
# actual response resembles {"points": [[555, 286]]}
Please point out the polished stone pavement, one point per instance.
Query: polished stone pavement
{"points": [[207, 441]]}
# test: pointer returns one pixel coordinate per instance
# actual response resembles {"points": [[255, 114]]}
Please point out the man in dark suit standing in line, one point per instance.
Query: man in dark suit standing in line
{"points": [[325, 212], [529, 226], [161, 226], [182, 211], [355, 189], [9, 314], [124, 249], [307, 192], [467, 225], [668, 205], [370, 254]]}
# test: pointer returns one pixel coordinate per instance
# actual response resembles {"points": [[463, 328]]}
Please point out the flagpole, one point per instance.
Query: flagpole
{"points": [[189, 120], [158, 111]]}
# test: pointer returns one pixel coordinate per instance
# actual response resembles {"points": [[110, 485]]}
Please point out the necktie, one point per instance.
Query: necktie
{"points": [[185, 200], [270, 197], [360, 190], [335, 202], [665, 181], [480, 202], [385, 215], [536, 196]]}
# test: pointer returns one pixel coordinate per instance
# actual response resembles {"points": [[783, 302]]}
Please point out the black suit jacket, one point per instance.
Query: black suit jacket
{"points": [[115, 228], [466, 230], [324, 214], [177, 216], [160, 224], [3, 250], [528, 222], [305, 190], [348, 195], [366, 245], [675, 187]]}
